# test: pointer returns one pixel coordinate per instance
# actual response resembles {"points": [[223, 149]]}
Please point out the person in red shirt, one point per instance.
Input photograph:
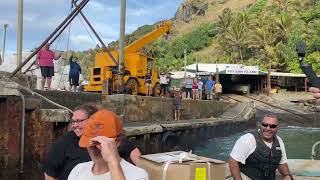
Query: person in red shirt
{"points": [[45, 59], [195, 89]]}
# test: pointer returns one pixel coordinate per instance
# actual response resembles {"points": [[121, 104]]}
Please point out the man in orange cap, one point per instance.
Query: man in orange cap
{"points": [[100, 137]]}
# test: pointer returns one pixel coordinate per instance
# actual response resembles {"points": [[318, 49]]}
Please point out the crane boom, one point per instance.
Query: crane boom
{"points": [[161, 29]]}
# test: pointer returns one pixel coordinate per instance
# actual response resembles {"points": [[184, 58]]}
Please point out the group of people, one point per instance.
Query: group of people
{"points": [[97, 149], [194, 88], [44, 60], [94, 149]]}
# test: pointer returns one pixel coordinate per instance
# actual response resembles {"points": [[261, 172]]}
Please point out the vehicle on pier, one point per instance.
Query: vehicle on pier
{"points": [[136, 66]]}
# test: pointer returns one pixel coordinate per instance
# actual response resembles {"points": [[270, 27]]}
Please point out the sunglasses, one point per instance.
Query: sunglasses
{"points": [[272, 126]]}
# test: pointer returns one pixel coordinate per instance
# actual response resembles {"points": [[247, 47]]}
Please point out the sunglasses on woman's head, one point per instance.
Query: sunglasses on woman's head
{"points": [[272, 126]]}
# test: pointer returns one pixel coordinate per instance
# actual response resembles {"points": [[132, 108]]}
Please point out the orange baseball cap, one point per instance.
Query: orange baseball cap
{"points": [[101, 123]]}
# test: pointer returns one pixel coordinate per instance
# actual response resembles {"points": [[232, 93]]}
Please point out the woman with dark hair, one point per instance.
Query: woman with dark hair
{"points": [[74, 73]]}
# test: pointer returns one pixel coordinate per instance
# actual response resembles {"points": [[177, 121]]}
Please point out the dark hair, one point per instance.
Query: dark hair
{"points": [[88, 108]]}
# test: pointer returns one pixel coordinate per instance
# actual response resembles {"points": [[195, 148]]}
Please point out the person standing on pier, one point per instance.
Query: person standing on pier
{"points": [[45, 59], [163, 84], [188, 83], [148, 83], [217, 90], [257, 155], [65, 153], [177, 99], [209, 88], [200, 87], [74, 73]]}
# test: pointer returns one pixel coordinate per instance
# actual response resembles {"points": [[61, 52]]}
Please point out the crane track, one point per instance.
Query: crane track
{"points": [[276, 107]]}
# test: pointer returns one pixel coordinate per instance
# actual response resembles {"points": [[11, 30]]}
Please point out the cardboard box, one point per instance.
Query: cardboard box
{"points": [[166, 166]]}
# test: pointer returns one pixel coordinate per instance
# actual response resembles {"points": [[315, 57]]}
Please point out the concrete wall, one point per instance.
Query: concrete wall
{"points": [[187, 138], [137, 108], [142, 108]]}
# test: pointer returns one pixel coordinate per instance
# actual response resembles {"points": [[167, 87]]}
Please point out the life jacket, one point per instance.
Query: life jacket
{"points": [[263, 162]]}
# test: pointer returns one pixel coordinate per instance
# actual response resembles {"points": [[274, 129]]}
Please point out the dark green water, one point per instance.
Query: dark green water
{"points": [[298, 142]]}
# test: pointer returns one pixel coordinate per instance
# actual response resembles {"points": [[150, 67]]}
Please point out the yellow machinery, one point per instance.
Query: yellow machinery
{"points": [[136, 66]]}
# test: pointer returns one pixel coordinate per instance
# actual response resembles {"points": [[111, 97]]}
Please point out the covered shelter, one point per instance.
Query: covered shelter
{"points": [[233, 77], [289, 81]]}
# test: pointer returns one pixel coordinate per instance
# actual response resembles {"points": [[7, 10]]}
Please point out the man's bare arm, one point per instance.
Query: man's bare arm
{"points": [[47, 177], [234, 169], [284, 170], [135, 156]]}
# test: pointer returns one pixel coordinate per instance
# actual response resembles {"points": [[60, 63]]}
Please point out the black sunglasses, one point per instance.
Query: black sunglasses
{"points": [[272, 126]]}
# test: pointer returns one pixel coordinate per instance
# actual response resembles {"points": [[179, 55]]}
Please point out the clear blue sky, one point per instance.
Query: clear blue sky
{"points": [[42, 16]]}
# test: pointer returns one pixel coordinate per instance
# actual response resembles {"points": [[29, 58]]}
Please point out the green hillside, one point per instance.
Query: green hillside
{"points": [[252, 32]]}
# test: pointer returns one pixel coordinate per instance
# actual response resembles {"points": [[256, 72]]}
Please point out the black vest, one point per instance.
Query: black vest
{"points": [[263, 162]]}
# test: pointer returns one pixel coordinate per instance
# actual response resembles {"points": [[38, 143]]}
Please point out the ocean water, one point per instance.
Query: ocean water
{"points": [[298, 142]]}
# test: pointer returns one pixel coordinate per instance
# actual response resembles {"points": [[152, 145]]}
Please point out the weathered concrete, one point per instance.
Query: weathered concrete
{"points": [[25, 80], [66, 98], [142, 108], [136, 108], [54, 115]]}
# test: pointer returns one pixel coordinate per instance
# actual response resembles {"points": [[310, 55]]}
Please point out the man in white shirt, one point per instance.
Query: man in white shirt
{"points": [[163, 84], [100, 137], [257, 155]]}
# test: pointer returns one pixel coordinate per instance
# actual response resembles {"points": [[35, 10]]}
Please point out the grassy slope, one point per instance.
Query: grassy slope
{"points": [[214, 10]]}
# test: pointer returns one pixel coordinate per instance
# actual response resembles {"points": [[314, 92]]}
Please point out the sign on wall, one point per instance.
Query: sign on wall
{"points": [[241, 69]]}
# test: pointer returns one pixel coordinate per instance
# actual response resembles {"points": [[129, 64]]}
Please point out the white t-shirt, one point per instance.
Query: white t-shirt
{"points": [[83, 171], [163, 79], [246, 145]]}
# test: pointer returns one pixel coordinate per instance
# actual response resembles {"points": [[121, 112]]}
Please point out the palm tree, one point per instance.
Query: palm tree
{"points": [[235, 29]]}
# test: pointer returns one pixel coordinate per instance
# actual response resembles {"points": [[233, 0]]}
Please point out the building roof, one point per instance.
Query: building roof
{"points": [[282, 74], [205, 69], [180, 74]]}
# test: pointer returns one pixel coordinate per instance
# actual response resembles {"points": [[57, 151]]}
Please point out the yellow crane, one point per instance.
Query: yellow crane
{"points": [[136, 65]]}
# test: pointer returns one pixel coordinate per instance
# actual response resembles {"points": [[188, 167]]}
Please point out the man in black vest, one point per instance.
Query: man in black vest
{"points": [[257, 155]]}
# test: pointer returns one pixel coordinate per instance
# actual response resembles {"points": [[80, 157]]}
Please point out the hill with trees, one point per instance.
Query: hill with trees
{"points": [[251, 32]]}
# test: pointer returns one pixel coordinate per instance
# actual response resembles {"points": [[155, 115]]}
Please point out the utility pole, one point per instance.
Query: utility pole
{"points": [[197, 68], [121, 43], [19, 33], [5, 26], [217, 72], [185, 63]]}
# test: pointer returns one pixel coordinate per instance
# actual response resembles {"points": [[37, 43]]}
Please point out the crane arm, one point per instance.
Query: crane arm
{"points": [[161, 29]]}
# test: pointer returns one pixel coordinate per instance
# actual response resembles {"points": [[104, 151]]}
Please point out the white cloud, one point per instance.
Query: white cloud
{"points": [[41, 17]]}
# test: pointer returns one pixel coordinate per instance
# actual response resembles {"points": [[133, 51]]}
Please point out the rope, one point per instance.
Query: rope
{"points": [[68, 41], [39, 95], [85, 27]]}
